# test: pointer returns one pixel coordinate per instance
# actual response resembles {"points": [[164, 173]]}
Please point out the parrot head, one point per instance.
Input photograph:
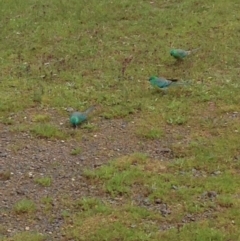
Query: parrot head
{"points": [[172, 52], [152, 78]]}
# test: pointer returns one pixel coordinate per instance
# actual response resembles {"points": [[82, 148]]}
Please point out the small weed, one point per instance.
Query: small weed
{"points": [[92, 206], [15, 147], [24, 206], [76, 151], [5, 175], [43, 181], [89, 126], [179, 120], [48, 203], [150, 133], [65, 214]]}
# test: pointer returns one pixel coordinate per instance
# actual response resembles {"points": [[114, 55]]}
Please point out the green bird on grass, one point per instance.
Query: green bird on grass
{"points": [[163, 83], [77, 118], [181, 53]]}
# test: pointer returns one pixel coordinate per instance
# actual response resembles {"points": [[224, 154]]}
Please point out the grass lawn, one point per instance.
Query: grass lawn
{"points": [[56, 55]]}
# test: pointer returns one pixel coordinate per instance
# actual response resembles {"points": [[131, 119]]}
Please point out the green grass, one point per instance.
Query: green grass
{"points": [[118, 176], [60, 54], [146, 130], [24, 206], [47, 131], [48, 204], [43, 181], [76, 151], [41, 118], [132, 179], [27, 236]]}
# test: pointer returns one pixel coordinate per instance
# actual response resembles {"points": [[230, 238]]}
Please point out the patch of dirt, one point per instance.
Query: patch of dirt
{"points": [[24, 158]]}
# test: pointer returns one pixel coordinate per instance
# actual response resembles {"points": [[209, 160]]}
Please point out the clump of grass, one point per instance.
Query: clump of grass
{"points": [[45, 130], [24, 206], [38, 95], [43, 181], [226, 201], [176, 120], [92, 206], [89, 126], [5, 175], [47, 200], [7, 121], [150, 133], [76, 151], [48, 204], [20, 128], [15, 147], [65, 214], [41, 118]]}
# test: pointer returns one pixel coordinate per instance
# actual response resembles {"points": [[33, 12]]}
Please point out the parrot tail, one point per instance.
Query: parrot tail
{"points": [[193, 51], [173, 80], [89, 110]]}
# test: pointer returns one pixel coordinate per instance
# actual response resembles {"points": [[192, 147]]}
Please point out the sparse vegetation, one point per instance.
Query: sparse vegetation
{"points": [[5, 175], [76, 151], [44, 181], [24, 206], [27, 236], [47, 131], [41, 118]]}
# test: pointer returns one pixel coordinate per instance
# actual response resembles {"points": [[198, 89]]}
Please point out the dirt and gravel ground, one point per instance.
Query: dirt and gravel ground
{"points": [[27, 157]]}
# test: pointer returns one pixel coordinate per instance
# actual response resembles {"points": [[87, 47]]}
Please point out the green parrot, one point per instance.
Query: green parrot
{"points": [[163, 83], [181, 54], [77, 118]]}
